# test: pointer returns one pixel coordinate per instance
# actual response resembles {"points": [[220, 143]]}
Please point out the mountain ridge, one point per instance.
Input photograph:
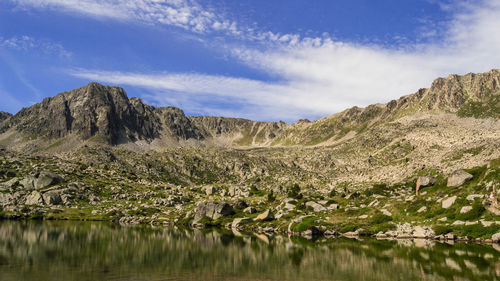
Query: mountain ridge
{"points": [[107, 114]]}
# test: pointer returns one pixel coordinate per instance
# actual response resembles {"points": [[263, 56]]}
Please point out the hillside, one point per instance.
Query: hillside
{"points": [[95, 153]]}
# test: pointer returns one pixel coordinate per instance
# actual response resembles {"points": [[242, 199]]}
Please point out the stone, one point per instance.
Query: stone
{"points": [[265, 216], [423, 232], [34, 198], [448, 202], [422, 209], [212, 210], [250, 210], [458, 178], [237, 221], [289, 206], [46, 179], [330, 233], [210, 190], [458, 222], [333, 207], [465, 209], [450, 236], [424, 182], [473, 197], [312, 232], [52, 198], [496, 237], [28, 183], [363, 217], [385, 212], [6, 199], [315, 206]]}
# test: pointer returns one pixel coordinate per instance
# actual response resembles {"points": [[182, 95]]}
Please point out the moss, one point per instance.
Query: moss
{"points": [[442, 229], [476, 212], [305, 224], [379, 218]]}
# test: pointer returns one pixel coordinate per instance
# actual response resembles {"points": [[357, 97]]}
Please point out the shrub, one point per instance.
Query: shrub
{"points": [[270, 197], [442, 229], [294, 191], [476, 212]]}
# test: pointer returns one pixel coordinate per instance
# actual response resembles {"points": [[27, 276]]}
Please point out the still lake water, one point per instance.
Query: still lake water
{"points": [[100, 251]]}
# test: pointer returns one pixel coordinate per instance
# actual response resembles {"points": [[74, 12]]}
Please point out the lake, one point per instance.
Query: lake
{"points": [[60, 250]]}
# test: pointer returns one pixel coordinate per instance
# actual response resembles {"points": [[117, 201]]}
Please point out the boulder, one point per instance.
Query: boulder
{"points": [[422, 209], [34, 198], [313, 231], [473, 197], [212, 210], [6, 199], [46, 179], [496, 237], [446, 203], [28, 183], [385, 212], [465, 209], [458, 178], [266, 216], [237, 221], [250, 210], [210, 190], [52, 198], [424, 182], [333, 207], [423, 232], [315, 206]]}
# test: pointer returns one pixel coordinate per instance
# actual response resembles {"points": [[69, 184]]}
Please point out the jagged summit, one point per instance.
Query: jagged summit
{"points": [[106, 113]]}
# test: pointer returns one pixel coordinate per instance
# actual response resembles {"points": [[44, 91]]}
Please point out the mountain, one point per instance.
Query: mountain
{"points": [[104, 113], [430, 159]]}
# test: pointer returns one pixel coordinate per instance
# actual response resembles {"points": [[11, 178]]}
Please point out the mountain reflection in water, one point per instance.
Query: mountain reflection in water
{"points": [[100, 251]]}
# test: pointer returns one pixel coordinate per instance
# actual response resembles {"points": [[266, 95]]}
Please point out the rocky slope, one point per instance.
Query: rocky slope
{"points": [[94, 153]]}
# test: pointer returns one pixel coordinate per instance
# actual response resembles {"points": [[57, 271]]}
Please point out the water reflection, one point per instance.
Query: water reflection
{"points": [[98, 251]]}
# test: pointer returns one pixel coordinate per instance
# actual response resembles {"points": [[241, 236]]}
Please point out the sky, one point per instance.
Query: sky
{"points": [[265, 60]]}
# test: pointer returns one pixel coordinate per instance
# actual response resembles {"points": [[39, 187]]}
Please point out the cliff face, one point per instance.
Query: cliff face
{"points": [[106, 113]]}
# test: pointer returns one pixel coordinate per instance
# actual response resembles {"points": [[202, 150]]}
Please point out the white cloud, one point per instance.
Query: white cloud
{"points": [[26, 43], [186, 14], [317, 76]]}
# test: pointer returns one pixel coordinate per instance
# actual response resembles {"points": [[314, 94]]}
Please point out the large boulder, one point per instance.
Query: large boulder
{"points": [[266, 216], [28, 183], [52, 198], [210, 190], [237, 221], [34, 198], [458, 178], [424, 182], [423, 232], [315, 206], [496, 237], [212, 210], [448, 202], [46, 179], [6, 199]]}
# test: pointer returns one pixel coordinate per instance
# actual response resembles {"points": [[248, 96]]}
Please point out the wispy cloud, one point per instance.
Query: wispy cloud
{"points": [[186, 14], [28, 43], [317, 76]]}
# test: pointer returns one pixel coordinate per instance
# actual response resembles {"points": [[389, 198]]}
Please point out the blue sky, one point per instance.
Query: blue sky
{"points": [[258, 59]]}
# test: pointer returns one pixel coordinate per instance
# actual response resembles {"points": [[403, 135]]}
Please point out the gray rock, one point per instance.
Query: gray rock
{"points": [[212, 210], [458, 178], [422, 209], [250, 210], [465, 209], [315, 206], [46, 179], [52, 198], [266, 216], [28, 183], [496, 237], [6, 199], [34, 198], [423, 232], [237, 221], [448, 202], [424, 182], [210, 190]]}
